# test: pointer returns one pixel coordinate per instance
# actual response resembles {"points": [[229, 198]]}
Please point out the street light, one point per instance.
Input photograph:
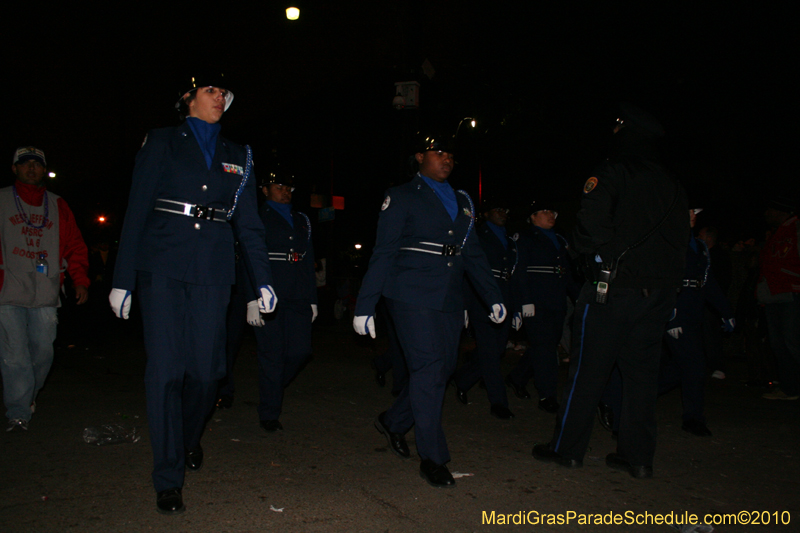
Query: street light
{"points": [[292, 13], [472, 122], [51, 174]]}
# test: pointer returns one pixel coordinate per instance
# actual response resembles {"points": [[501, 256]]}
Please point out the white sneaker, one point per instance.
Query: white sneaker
{"points": [[778, 394], [17, 424], [718, 374]]}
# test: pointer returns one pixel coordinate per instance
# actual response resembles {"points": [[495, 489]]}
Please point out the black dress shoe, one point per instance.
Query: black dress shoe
{"points": [[170, 501], [548, 404], [271, 426], [519, 392], [616, 461], [436, 475], [543, 452], [501, 411], [606, 416], [462, 396], [194, 459], [397, 441], [224, 402], [696, 427]]}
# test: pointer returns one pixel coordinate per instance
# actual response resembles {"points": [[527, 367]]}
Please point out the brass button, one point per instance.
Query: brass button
{"points": [[450, 232], [197, 226], [291, 237], [450, 264], [204, 187]]}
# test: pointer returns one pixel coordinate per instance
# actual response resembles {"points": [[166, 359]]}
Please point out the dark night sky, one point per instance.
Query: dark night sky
{"points": [[542, 81]]}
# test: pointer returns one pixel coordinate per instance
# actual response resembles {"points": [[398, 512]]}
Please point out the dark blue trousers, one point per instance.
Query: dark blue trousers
{"points": [[627, 330], [284, 346], [184, 334], [686, 368], [235, 324], [490, 347], [540, 360], [392, 359], [429, 339]]}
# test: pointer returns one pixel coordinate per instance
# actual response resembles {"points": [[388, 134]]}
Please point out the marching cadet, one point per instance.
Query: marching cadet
{"points": [[284, 338], [546, 265], [490, 337], [193, 194], [687, 365], [424, 246]]}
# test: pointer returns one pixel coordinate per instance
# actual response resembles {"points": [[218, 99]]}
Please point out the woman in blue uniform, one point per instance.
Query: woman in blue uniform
{"points": [[425, 245], [192, 195], [284, 338]]}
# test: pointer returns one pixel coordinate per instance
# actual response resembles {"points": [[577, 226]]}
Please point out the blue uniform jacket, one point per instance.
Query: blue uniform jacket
{"points": [[412, 214], [293, 280], [504, 265], [170, 165], [538, 254], [693, 299]]}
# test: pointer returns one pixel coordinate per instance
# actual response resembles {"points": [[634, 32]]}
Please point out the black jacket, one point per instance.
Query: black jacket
{"points": [[626, 198]]}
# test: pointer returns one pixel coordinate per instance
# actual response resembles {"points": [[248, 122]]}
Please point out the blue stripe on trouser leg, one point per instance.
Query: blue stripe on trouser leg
{"points": [[575, 378]]}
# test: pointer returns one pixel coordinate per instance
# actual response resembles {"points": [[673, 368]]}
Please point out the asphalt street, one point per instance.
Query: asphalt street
{"points": [[331, 471]]}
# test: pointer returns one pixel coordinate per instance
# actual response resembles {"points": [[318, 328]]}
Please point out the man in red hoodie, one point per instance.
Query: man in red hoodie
{"points": [[38, 240]]}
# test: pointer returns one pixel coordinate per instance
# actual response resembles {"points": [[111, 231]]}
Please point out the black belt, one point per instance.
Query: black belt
{"points": [[291, 257], [435, 248], [559, 270], [191, 210], [693, 283]]}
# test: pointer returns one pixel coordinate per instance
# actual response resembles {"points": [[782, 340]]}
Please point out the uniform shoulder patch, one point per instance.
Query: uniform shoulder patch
{"points": [[386, 202], [590, 184]]}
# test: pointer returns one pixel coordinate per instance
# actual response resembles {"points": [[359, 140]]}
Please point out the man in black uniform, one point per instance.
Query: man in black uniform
{"points": [[632, 230], [491, 338]]}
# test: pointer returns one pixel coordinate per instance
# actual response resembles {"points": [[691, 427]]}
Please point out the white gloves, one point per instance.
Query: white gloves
{"points": [[528, 310], [728, 324], [516, 322], [498, 313], [675, 332], [364, 325], [254, 314], [314, 312], [267, 299], [120, 300]]}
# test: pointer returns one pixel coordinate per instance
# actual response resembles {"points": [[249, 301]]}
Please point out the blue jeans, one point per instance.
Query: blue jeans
{"points": [[26, 353], [783, 323]]}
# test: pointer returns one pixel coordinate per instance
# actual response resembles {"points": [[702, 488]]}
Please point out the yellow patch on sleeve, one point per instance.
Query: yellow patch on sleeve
{"points": [[590, 184]]}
